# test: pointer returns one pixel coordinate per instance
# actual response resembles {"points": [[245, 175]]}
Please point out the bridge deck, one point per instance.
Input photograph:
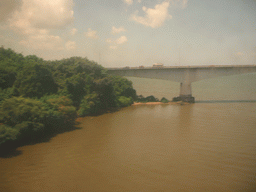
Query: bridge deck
{"points": [[182, 67], [183, 74]]}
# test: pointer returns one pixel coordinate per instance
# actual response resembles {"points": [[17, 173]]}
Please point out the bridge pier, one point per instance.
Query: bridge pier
{"points": [[185, 93]]}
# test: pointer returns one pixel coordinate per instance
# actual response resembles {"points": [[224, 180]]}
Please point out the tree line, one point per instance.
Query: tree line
{"points": [[38, 97]]}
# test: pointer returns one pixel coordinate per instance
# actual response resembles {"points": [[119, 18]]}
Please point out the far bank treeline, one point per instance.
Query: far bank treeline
{"points": [[38, 96]]}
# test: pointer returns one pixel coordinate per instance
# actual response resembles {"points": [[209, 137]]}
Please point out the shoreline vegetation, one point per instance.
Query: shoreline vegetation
{"points": [[39, 98], [161, 103]]}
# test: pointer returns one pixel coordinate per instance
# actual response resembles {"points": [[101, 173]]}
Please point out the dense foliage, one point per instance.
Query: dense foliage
{"points": [[38, 96], [35, 81], [164, 100], [150, 98]]}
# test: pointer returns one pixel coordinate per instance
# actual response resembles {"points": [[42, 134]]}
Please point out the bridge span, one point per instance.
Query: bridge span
{"points": [[185, 75]]}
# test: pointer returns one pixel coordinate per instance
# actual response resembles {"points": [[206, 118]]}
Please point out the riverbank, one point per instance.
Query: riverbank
{"points": [[160, 103]]}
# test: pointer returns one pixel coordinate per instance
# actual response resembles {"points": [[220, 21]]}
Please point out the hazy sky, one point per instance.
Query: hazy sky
{"points": [[132, 32]]}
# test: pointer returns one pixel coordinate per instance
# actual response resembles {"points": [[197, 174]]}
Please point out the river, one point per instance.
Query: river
{"points": [[206, 146]]}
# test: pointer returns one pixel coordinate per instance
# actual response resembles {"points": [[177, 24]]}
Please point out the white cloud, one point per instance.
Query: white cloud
{"points": [[70, 45], [117, 30], [121, 40], [47, 14], [34, 19], [154, 17], [91, 34], [73, 31], [115, 43], [128, 2]]}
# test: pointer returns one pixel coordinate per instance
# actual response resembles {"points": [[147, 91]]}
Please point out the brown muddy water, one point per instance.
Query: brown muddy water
{"points": [[190, 148]]}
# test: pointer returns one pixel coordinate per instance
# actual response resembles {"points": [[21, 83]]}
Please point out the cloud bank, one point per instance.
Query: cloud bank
{"points": [[117, 30], [70, 45], [34, 20], [128, 2], [73, 31], [114, 43], [91, 34], [154, 17]]}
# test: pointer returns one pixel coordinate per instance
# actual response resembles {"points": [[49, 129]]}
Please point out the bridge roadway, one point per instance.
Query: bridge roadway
{"points": [[185, 75]]}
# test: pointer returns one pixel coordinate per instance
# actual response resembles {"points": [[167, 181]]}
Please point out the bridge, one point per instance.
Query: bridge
{"points": [[185, 75]]}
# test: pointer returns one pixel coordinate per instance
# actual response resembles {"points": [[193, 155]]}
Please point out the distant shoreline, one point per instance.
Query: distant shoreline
{"points": [[185, 103], [160, 103]]}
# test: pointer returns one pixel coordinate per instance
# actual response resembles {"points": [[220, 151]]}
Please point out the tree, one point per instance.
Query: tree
{"points": [[91, 104], [10, 64], [7, 75], [24, 115], [105, 90], [124, 101], [35, 81], [77, 87], [60, 110], [123, 87], [151, 98], [7, 133], [164, 100]]}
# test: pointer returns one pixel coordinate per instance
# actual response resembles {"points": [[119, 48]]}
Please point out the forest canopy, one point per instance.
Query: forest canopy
{"points": [[39, 96]]}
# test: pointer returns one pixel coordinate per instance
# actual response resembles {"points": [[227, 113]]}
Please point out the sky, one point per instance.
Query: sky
{"points": [[119, 33]]}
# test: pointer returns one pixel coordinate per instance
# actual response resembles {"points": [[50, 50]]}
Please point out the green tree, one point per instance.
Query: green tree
{"points": [[151, 98], [35, 81], [164, 100], [24, 118], [90, 105], [7, 75], [77, 87], [123, 87], [60, 110], [105, 90], [124, 101], [10, 64], [24, 115], [7, 133], [66, 68]]}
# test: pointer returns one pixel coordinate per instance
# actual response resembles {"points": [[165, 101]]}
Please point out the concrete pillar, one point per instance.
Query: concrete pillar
{"points": [[185, 90], [186, 93]]}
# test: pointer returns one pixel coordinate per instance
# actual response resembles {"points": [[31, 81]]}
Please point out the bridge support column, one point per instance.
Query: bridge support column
{"points": [[185, 93]]}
